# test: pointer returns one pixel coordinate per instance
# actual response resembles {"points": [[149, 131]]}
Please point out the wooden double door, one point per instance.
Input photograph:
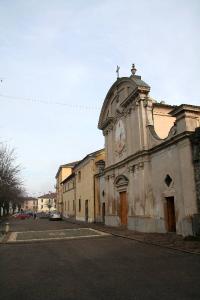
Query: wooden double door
{"points": [[123, 208]]}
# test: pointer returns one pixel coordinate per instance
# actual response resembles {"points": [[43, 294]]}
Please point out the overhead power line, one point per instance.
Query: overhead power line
{"points": [[47, 102]]}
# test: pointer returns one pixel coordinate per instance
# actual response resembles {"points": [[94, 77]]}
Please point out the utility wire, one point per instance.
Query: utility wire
{"points": [[76, 106]]}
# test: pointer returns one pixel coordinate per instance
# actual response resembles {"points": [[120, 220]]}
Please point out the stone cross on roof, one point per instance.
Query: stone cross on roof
{"points": [[117, 71]]}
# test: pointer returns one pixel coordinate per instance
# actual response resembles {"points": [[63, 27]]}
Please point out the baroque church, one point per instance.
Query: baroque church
{"points": [[152, 170]]}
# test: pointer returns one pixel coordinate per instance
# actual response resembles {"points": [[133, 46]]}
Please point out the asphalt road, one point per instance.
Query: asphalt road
{"points": [[95, 268]]}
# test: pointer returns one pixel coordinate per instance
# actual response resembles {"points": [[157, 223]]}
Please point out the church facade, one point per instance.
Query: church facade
{"points": [[151, 182]]}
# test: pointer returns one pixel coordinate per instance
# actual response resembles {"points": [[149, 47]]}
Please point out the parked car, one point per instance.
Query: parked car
{"points": [[43, 215], [22, 216], [30, 213], [55, 216]]}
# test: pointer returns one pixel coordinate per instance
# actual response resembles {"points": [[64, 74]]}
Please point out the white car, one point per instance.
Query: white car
{"points": [[55, 216]]}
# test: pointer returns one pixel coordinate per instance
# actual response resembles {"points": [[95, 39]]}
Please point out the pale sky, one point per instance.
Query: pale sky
{"points": [[66, 51]]}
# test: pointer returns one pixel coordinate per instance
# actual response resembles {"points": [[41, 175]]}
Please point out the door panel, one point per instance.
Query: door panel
{"points": [[123, 208], [86, 210], [103, 212], [171, 218]]}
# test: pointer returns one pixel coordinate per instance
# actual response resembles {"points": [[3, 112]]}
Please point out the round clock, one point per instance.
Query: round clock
{"points": [[120, 136]]}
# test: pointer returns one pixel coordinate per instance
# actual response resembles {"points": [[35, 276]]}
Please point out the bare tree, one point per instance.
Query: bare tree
{"points": [[10, 183]]}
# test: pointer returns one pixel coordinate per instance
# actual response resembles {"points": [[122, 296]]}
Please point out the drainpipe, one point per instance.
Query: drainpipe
{"points": [[94, 189], [195, 142], [94, 201], [75, 196]]}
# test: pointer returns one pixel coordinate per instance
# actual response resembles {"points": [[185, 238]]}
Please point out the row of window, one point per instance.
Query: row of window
{"points": [[68, 186], [42, 206], [67, 205], [34, 202], [53, 200]]}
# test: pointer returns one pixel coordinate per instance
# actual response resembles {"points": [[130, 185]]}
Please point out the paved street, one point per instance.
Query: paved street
{"points": [[94, 268]]}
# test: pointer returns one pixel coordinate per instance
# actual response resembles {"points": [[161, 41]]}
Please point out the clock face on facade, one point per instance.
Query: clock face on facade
{"points": [[120, 136]]}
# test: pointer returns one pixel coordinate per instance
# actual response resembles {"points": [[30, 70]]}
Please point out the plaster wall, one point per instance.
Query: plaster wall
{"points": [[156, 145], [43, 204], [30, 205], [147, 190], [100, 191], [64, 172], [69, 199], [85, 190], [162, 121], [175, 161]]}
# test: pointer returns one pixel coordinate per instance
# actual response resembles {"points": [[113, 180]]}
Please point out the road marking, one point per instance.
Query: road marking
{"points": [[64, 234]]}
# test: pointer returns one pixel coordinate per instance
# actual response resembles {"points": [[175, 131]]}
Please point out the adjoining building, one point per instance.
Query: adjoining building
{"points": [[47, 202], [152, 160], [87, 186], [99, 185], [63, 172], [29, 204], [82, 191], [68, 188]]}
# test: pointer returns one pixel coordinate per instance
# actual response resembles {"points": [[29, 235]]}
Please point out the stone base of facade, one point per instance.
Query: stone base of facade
{"points": [[90, 220], [99, 219], [112, 220], [65, 216], [146, 224], [80, 219], [187, 227], [140, 224], [196, 225]]}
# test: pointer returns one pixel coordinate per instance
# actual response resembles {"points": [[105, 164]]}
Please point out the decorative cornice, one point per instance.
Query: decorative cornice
{"points": [[107, 122], [184, 108], [146, 153], [138, 86], [130, 98]]}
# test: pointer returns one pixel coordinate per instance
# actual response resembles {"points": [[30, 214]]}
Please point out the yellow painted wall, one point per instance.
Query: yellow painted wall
{"points": [[42, 205], [85, 187], [64, 172], [69, 198], [163, 121]]}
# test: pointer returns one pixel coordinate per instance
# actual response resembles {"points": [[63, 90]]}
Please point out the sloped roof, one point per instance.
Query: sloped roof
{"points": [[92, 154], [68, 178], [48, 196], [29, 199], [68, 165]]}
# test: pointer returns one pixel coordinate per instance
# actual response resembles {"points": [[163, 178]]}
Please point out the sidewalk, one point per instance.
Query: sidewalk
{"points": [[167, 240]]}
